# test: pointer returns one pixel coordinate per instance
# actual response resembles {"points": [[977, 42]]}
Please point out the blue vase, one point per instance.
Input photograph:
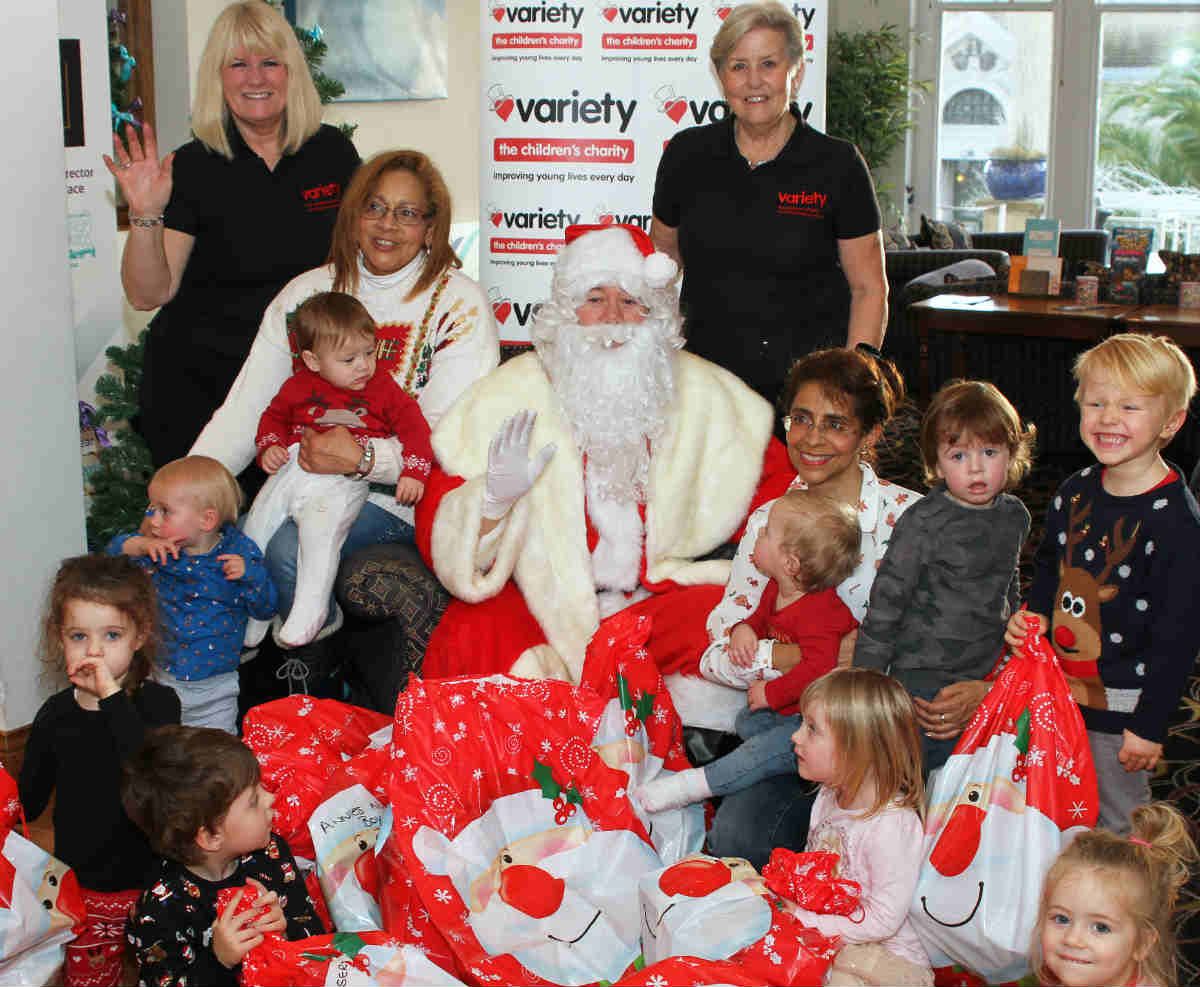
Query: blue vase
{"points": [[1008, 178]]}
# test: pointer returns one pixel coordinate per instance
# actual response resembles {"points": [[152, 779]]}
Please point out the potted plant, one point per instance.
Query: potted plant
{"points": [[867, 88], [1016, 170]]}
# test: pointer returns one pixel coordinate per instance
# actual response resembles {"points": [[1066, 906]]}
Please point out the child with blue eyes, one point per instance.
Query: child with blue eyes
{"points": [[949, 582], [1108, 901], [100, 628]]}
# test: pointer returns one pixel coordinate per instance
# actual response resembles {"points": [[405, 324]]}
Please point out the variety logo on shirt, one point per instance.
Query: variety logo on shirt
{"points": [[321, 197], [803, 203]]}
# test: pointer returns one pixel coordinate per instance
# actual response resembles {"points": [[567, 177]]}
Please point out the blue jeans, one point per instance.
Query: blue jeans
{"points": [[766, 752], [373, 526], [772, 813]]}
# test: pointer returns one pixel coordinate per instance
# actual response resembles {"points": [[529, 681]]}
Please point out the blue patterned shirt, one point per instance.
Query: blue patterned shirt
{"points": [[203, 613]]}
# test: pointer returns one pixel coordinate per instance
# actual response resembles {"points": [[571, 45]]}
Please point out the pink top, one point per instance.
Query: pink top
{"points": [[883, 854]]}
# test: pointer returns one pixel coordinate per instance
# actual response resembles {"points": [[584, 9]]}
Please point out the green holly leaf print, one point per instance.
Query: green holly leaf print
{"points": [[542, 774]]}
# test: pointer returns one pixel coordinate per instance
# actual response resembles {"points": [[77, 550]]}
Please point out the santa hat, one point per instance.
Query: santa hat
{"points": [[612, 254]]}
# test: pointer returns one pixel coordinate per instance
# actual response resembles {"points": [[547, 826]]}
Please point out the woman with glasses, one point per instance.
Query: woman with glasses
{"points": [[391, 250], [219, 226], [836, 402]]}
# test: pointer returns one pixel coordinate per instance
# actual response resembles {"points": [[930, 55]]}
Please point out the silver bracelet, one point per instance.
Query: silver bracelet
{"points": [[146, 222], [366, 463]]}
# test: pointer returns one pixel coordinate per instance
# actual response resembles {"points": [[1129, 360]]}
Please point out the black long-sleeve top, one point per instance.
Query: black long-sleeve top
{"points": [[79, 752], [171, 928]]}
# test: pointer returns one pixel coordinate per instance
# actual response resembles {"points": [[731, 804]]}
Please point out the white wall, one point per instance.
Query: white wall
{"points": [[43, 496]]}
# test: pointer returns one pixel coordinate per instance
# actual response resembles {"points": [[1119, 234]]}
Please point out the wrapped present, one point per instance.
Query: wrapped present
{"points": [[1018, 787], [810, 880]]}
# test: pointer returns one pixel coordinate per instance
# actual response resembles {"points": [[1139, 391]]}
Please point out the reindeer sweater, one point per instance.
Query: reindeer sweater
{"points": [[1117, 578], [379, 410]]}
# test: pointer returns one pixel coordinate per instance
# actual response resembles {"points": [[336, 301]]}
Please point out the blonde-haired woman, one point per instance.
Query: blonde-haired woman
{"points": [[217, 227]]}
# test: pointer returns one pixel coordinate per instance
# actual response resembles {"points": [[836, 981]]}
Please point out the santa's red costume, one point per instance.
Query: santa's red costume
{"points": [[644, 459]]}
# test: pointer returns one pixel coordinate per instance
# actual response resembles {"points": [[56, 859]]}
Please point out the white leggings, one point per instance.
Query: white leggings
{"points": [[324, 507]]}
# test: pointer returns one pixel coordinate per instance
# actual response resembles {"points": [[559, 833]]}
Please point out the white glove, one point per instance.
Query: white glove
{"points": [[510, 471]]}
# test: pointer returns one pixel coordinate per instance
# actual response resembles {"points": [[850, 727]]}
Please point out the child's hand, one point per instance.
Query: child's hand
{"points": [[93, 675], [756, 695], [234, 566], [159, 549], [743, 645], [1138, 754], [273, 459], [274, 920], [409, 491], [1022, 623], [232, 936]]}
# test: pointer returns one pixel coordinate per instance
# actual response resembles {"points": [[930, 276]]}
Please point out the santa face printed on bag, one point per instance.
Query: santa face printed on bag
{"points": [[702, 906], [345, 829], [560, 897], [1018, 787]]}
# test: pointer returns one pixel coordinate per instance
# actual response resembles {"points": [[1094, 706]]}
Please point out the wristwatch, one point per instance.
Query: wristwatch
{"points": [[366, 463]]}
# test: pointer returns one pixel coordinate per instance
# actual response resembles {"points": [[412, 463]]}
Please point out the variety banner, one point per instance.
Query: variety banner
{"points": [[579, 99]]}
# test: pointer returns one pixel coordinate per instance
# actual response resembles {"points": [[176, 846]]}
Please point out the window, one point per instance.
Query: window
{"points": [[1068, 108]]}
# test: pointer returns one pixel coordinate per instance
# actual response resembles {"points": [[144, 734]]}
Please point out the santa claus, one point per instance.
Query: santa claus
{"points": [[618, 464]]}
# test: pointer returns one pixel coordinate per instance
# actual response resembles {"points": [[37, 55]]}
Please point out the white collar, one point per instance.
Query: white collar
{"points": [[406, 277]]}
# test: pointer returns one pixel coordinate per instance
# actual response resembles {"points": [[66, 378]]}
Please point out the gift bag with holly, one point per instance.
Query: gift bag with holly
{"points": [[1018, 787], [11, 812], [347, 959], [720, 909], [518, 836], [299, 743], [639, 732], [41, 909]]}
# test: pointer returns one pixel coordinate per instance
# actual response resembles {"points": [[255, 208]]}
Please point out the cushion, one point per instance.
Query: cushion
{"points": [[941, 235], [963, 270]]}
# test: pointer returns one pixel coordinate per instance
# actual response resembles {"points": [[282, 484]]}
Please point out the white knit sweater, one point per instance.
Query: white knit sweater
{"points": [[435, 360]]}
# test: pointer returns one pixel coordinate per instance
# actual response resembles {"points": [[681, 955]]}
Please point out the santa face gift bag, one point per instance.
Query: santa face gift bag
{"points": [[1018, 787], [518, 836]]}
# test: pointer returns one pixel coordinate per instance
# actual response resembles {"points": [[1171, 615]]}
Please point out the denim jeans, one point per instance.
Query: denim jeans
{"points": [[766, 751], [373, 526], [772, 813]]}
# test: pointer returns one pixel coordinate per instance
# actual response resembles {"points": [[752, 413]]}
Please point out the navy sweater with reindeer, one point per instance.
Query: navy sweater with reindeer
{"points": [[1117, 577]]}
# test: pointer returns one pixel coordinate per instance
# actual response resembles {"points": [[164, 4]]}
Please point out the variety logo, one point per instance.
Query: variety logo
{"points": [[659, 13], [802, 203], [606, 217], [563, 110], [543, 13], [503, 307], [319, 197], [722, 9], [543, 219], [677, 107]]}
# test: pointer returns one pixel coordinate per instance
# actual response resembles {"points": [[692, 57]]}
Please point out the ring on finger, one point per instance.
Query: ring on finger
{"points": [[943, 717]]}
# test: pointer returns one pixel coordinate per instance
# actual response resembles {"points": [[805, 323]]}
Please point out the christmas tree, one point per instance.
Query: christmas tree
{"points": [[119, 482]]}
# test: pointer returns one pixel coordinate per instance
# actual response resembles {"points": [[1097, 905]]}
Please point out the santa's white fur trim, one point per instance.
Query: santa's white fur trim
{"points": [[659, 270], [703, 472]]}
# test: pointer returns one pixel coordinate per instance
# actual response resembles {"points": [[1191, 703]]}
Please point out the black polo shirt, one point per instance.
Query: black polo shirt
{"points": [[761, 279], [255, 229]]}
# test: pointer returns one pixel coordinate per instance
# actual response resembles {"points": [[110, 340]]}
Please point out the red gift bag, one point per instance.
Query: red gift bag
{"points": [[808, 880], [1019, 785]]}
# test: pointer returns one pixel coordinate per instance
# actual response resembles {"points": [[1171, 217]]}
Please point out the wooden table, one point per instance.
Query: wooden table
{"points": [[1181, 324], [1007, 315]]}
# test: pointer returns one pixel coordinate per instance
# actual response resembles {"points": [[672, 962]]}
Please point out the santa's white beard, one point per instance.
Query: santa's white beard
{"points": [[616, 398]]}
